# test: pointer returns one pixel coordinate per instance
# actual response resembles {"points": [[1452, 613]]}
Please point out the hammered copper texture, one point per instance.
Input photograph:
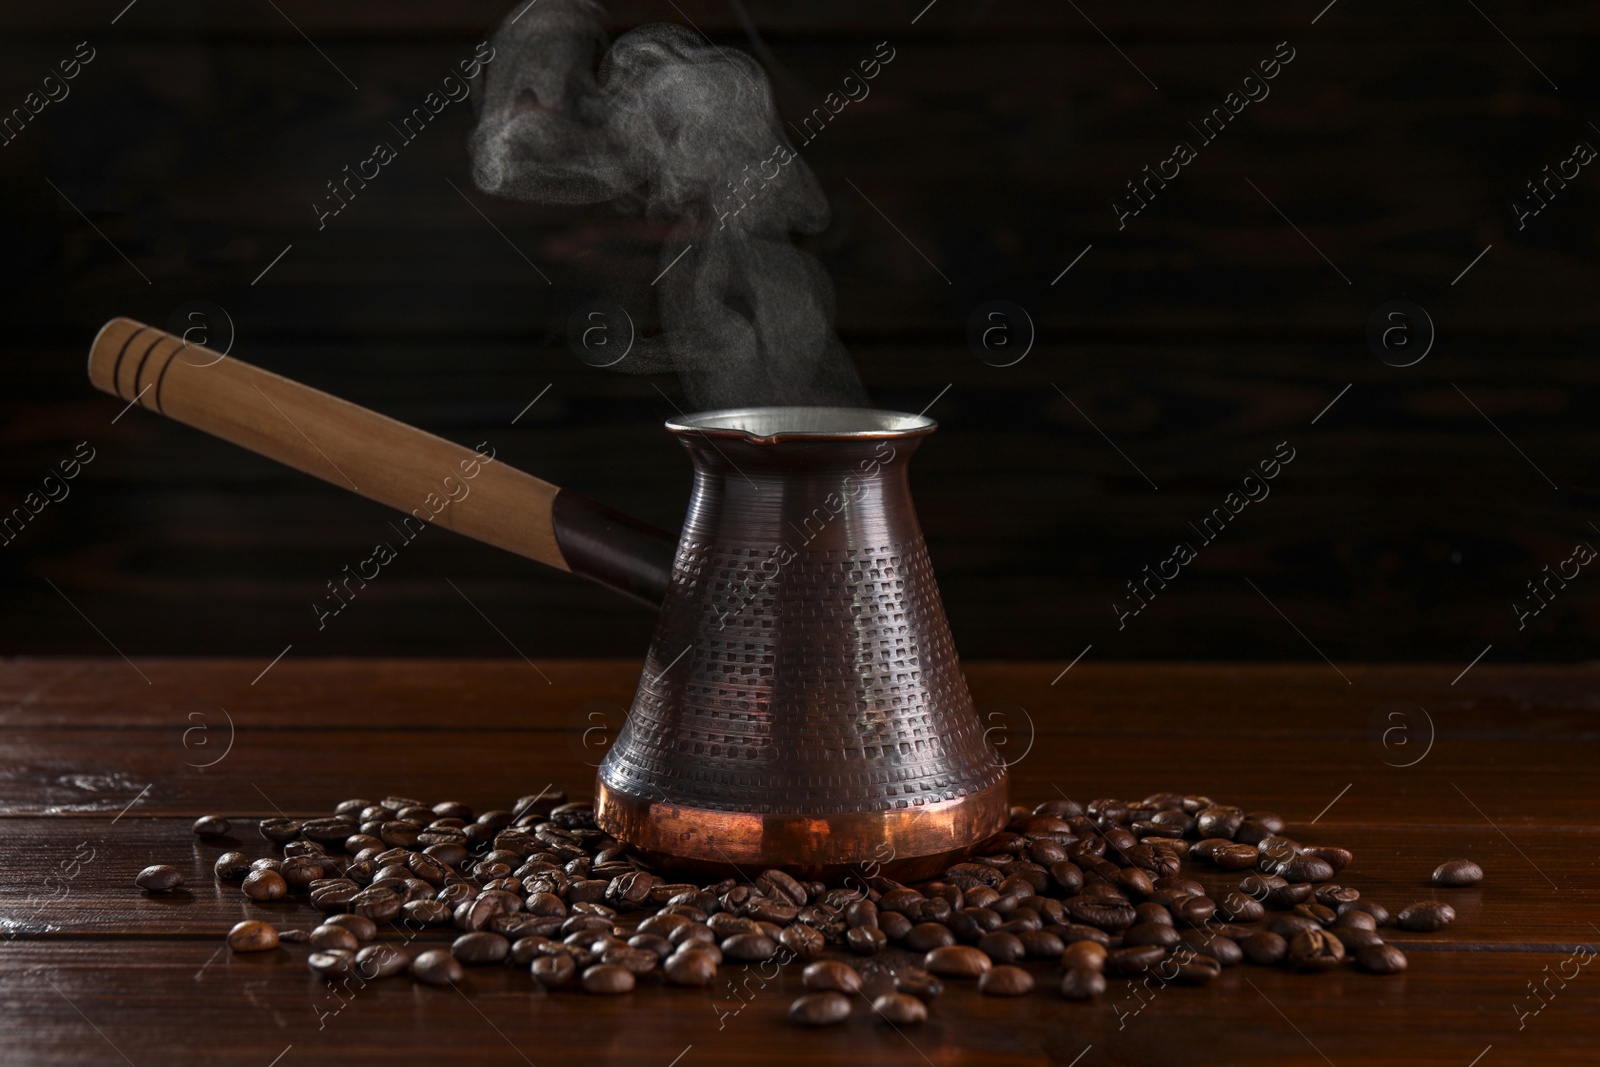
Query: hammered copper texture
{"points": [[828, 685]]}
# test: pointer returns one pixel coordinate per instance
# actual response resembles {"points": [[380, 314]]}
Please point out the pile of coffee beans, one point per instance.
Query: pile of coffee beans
{"points": [[1165, 890]]}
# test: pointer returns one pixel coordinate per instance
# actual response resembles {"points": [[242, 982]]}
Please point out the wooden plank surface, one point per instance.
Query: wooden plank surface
{"points": [[93, 971]]}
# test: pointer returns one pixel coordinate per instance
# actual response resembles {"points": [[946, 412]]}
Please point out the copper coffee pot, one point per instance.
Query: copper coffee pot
{"points": [[801, 705]]}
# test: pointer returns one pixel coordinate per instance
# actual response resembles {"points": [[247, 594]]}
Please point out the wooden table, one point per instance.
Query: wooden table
{"points": [[101, 776]]}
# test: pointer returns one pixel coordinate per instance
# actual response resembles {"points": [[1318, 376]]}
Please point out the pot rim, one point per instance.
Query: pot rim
{"points": [[772, 424]]}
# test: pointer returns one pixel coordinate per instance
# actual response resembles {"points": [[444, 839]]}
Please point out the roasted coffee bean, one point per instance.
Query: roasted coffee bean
{"points": [[1380, 958], [326, 937], [1379, 913], [726, 924], [1111, 916], [1041, 944], [1193, 911], [231, 866], [1331, 895], [1218, 821], [1084, 955], [1186, 886], [969, 924], [925, 937], [160, 878], [1150, 934], [898, 899], [1290, 925], [381, 961], [449, 853], [300, 871], [362, 927], [476, 913], [211, 826], [556, 971], [522, 924], [1315, 950], [333, 894], [1235, 857], [752, 947], [1234, 906], [391, 876], [662, 922], [1021, 919], [1306, 868], [427, 912], [280, 831], [436, 967], [252, 936], [820, 1009], [804, 943], [1264, 947], [332, 963], [1047, 852], [1214, 946], [525, 949], [690, 968], [1354, 937], [779, 912], [480, 947], [1005, 981], [1060, 809], [1151, 912], [1067, 876], [332, 831], [867, 940], [1135, 882], [1356, 918], [1077, 932], [937, 909], [787, 885], [1274, 891], [1134, 960], [1336, 858], [1197, 970], [1082, 984], [982, 896], [1002, 946], [265, 885], [831, 975], [1457, 873], [655, 944], [956, 961], [638, 961], [359, 871], [900, 1009], [1426, 916], [1290, 894], [1323, 916], [692, 932], [918, 983], [377, 903]]}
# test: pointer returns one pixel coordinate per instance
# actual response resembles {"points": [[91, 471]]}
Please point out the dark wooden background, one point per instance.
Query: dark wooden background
{"points": [[1196, 339]]}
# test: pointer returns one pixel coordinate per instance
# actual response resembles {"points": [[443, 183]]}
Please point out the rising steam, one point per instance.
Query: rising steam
{"points": [[689, 133]]}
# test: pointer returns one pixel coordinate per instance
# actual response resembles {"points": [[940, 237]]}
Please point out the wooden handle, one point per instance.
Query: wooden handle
{"points": [[426, 477]]}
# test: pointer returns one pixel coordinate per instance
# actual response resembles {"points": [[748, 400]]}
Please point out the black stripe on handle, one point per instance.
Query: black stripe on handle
{"points": [[616, 550]]}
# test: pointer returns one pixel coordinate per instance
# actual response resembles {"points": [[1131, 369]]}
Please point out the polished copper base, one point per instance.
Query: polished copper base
{"points": [[907, 844]]}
